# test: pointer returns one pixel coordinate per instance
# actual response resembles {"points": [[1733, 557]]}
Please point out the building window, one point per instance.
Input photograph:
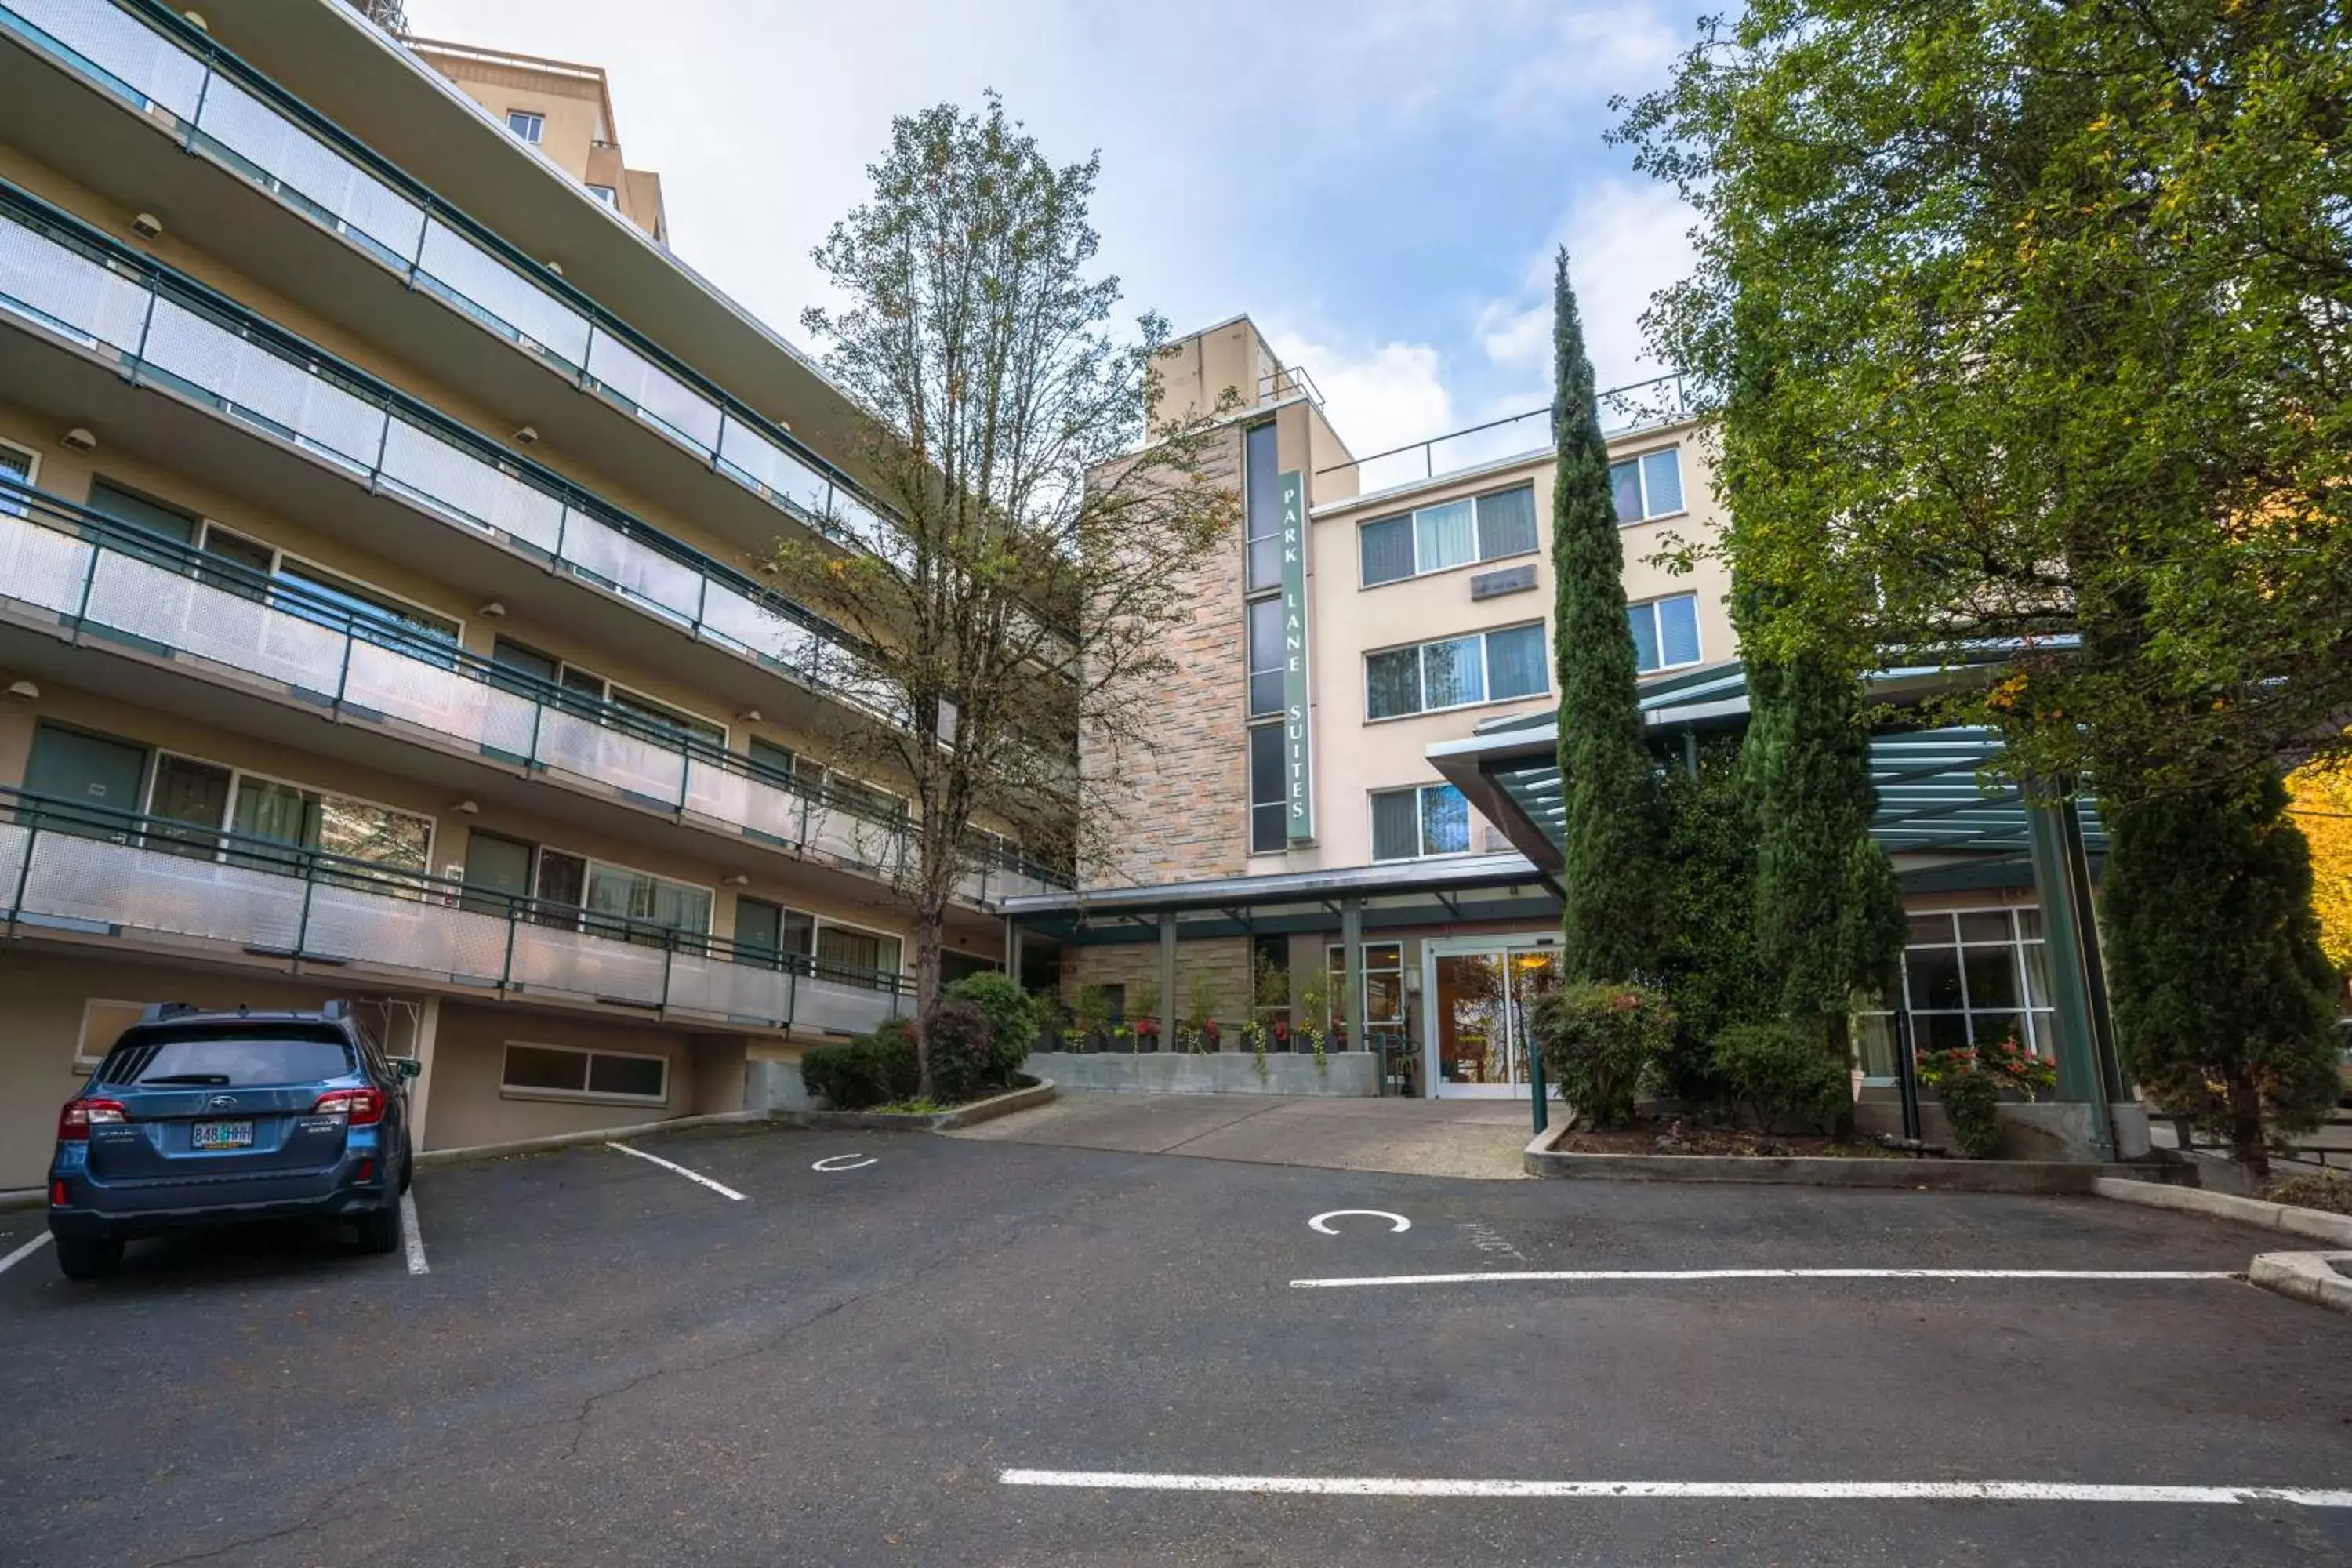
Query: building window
{"points": [[1453, 533], [1648, 485], [1412, 824], [1266, 797], [856, 957], [563, 1072], [1978, 977], [16, 467], [1456, 672], [1666, 632], [1383, 982], [210, 799], [102, 1024], [1265, 656], [607, 194], [529, 127], [1262, 479], [546, 670]]}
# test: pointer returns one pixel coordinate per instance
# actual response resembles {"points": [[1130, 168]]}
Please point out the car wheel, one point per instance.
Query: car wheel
{"points": [[380, 1230], [89, 1257], [407, 1163]]}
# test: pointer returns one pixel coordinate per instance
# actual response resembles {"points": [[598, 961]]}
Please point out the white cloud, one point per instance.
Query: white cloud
{"points": [[1377, 399], [1625, 242]]}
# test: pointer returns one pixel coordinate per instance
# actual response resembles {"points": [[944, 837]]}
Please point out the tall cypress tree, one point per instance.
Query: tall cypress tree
{"points": [[1614, 925]]}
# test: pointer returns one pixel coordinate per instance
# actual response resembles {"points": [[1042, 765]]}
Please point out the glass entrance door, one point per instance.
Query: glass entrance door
{"points": [[1482, 992]]}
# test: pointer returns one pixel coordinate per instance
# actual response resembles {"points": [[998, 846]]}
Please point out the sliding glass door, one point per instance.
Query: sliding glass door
{"points": [[1482, 992]]}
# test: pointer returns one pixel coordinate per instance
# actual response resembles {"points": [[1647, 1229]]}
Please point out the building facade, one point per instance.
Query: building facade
{"points": [[380, 610]]}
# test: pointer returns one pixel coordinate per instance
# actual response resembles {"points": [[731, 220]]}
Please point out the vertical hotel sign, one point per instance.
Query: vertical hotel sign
{"points": [[1297, 730]]}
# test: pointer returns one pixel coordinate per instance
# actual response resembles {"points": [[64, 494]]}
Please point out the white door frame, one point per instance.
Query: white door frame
{"points": [[1501, 943]]}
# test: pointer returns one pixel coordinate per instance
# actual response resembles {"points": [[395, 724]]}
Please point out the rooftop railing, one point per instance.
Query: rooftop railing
{"points": [[1662, 400], [218, 106], [71, 866]]}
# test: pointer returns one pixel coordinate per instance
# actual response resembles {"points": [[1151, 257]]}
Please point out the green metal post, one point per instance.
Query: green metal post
{"points": [[2066, 933]]}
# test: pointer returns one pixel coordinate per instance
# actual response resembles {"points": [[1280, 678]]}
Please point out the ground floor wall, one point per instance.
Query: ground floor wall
{"points": [[471, 1103]]}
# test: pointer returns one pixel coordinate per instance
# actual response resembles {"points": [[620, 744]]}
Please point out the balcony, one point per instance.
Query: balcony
{"points": [[1625, 410], [157, 328], [73, 870], [183, 93], [95, 581]]}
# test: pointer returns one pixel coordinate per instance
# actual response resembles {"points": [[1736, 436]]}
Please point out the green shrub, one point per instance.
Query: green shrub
{"points": [[1971, 1099], [872, 1070], [1782, 1074], [1601, 1043], [1013, 1019], [963, 1059], [2318, 1189]]}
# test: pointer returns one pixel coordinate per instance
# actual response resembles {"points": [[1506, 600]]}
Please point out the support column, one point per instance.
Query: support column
{"points": [[1351, 973], [1168, 980], [420, 1092], [2051, 821], [1012, 951]]}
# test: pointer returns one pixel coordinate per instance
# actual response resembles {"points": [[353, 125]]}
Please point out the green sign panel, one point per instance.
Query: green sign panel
{"points": [[1298, 733]]}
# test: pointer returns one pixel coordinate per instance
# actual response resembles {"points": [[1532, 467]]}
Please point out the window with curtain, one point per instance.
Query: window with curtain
{"points": [[858, 957], [186, 790], [1514, 663], [210, 798], [356, 599], [1445, 536], [635, 896], [1265, 656], [1452, 672], [1648, 485], [1387, 549], [1451, 533], [1456, 672], [1666, 632], [1430, 819], [1507, 524]]}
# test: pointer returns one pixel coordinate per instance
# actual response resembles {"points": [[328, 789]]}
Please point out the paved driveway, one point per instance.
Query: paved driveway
{"points": [[1473, 1138]]}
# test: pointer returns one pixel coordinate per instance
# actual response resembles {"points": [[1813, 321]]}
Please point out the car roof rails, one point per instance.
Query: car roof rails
{"points": [[156, 1011]]}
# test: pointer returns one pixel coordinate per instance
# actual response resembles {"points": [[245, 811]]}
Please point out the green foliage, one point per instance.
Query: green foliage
{"points": [[2315, 1190], [964, 1060], [1711, 970], [2007, 1064], [1014, 1018], [1613, 925], [1600, 1044], [1971, 1099], [860, 1073], [1091, 1015], [2221, 995], [1780, 1073]]}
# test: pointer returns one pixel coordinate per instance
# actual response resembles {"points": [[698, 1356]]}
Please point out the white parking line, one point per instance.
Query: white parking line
{"points": [[411, 1238], [1823, 1492], [681, 1170], [1596, 1276], [23, 1252]]}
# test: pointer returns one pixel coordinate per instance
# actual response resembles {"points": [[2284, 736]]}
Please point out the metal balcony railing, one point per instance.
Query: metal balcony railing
{"points": [[71, 866], [163, 328], [1661, 400], [218, 107], [101, 580]]}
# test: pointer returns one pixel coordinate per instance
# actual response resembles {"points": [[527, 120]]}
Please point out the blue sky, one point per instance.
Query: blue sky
{"points": [[1379, 183]]}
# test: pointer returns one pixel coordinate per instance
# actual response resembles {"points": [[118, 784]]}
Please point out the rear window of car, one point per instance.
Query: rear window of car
{"points": [[228, 1060]]}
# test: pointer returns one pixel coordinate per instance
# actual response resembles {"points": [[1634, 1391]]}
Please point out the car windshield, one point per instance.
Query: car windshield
{"points": [[228, 1061]]}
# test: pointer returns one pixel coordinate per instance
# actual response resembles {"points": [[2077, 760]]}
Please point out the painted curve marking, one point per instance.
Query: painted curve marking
{"points": [[1399, 1223], [836, 1163]]}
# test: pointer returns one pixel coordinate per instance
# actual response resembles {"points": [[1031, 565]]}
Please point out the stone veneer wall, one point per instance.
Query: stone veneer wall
{"points": [[1225, 961]]}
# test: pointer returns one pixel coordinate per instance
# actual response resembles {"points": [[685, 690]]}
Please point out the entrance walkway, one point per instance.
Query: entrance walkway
{"points": [[1476, 1138]]}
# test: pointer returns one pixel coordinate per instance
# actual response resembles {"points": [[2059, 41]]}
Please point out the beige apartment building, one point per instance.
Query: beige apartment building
{"points": [[380, 611]]}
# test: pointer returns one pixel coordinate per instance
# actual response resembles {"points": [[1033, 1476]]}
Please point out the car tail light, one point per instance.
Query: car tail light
{"points": [[363, 1106], [58, 1194], [79, 1116]]}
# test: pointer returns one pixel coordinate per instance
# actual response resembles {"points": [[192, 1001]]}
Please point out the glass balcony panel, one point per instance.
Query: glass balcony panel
{"points": [[722, 795], [131, 595], [668, 586], [501, 295], [95, 882], [135, 55], [309, 168], [61, 287], [730, 990], [245, 376], [850, 839], [548, 958], [735, 619], [41, 566], [423, 936], [438, 700], [585, 749], [769, 466], [656, 393], [449, 478], [838, 1008]]}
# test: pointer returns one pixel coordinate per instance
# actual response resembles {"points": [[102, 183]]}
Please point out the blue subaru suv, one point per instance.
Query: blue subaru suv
{"points": [[198, 1118]]}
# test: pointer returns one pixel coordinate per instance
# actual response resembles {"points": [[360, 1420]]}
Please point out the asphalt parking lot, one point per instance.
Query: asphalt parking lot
{"points": [[944, 1351]]}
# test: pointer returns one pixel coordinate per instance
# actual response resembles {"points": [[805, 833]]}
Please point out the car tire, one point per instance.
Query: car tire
{"points": [[407, 1163], [89, 1257], [379, 1230]]}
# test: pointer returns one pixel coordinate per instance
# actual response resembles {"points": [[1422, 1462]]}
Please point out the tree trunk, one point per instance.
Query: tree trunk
{"points": [[2247, 1144], [930, 918]]}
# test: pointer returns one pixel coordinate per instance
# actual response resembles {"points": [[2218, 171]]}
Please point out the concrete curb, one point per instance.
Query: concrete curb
{"points": [[575, 1140], [2305, 1277], [2042, 1176], [2316, 1223], [24, 1198], [972, 1115]]}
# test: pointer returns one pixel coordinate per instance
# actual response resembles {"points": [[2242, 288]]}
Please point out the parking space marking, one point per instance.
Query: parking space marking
{"points": [[724, 1192], [1601, 1276], [1399, 1229], [411, 1238], [834, 1163], [1810, 1492], [24, 1252]]}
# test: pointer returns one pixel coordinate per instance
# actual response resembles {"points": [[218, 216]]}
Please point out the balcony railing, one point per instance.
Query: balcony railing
{"points": [[70, 867], [100, 579], [165, 329], [1662, 400], [219, 107]]}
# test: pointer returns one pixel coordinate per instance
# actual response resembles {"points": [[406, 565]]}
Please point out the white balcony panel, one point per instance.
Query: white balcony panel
{"points": [[502, 293], [417, 460], [774, 467], [130, 595], [971, 888], [737, 620], [654, 389], [852, 839], [441, 701], [309, 167], [132, 53], [646, 574], [41, 566], [423, 936], [715, 792], [839, 1007], [13, 837], [730, 990], [64, 288], [145, 890], [249, 377], [552, 959], [587, 750]]}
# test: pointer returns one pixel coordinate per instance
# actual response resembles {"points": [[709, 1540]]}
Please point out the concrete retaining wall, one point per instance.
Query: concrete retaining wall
{"points": [[1222, 1072], [2046, 1129], [1541, 1159]]}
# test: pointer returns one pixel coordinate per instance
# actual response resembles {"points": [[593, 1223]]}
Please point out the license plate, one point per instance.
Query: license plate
{"points": [[222, 1135]]}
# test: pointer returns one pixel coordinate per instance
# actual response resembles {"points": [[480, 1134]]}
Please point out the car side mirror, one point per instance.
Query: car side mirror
{"points": [[408, 1066]]}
